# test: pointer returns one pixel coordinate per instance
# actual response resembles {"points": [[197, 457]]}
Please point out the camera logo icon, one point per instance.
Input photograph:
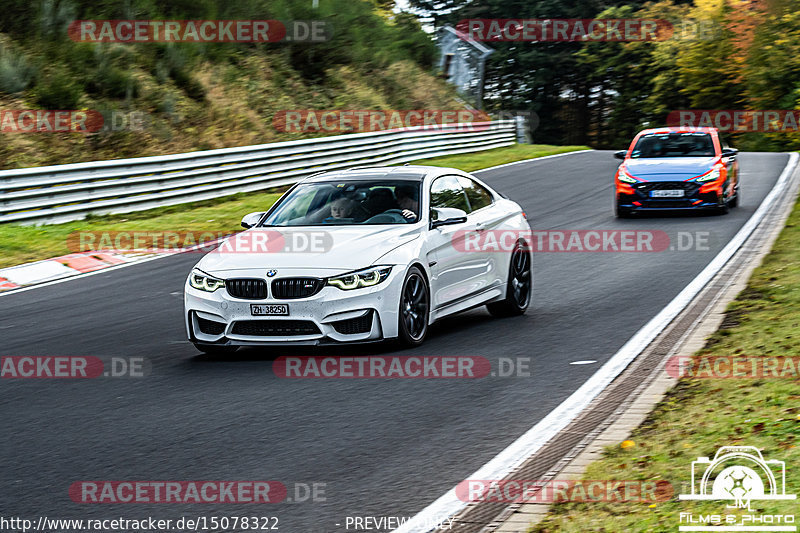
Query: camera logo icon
{"points": [[740, 474]]}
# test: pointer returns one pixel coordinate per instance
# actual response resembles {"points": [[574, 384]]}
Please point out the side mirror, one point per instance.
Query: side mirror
{"points": [[729, 152], [251, 219], [446, 216], [620, 154]]}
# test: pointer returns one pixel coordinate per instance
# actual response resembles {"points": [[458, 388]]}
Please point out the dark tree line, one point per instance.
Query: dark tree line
{"points": [[723, 54]]}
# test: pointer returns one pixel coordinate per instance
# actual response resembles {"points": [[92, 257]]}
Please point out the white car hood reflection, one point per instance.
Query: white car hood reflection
{"points": [[342, 248]]}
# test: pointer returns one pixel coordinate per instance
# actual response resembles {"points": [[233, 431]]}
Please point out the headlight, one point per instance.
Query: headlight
{"points": [[360, 278], [625, 178], [202, 281], [711, 176]]}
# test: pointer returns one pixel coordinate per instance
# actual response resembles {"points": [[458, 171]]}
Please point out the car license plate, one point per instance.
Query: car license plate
{"points": [[668, 193], [269, 309]]}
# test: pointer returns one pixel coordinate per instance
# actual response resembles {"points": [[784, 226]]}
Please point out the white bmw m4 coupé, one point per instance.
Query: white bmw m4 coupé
{"points": [[362, 255]]}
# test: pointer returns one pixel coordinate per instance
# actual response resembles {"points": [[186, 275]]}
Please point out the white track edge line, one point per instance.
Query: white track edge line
{"points": [[132, 263], [531, 159], [448, 505]]}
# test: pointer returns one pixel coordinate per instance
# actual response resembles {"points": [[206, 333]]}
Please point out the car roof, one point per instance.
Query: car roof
{"points": [[679, 129], [405, 172]]}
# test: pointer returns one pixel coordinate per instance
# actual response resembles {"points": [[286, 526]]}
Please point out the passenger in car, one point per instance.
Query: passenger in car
{"points": [[341, 209]]}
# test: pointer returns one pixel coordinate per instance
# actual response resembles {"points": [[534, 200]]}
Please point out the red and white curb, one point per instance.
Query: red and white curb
{"points": [[64, 266]]}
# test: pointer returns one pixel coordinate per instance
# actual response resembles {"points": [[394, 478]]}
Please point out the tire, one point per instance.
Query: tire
{"points": [[734, 202], [216, 350], [723, 207], [414, 312], [518, 287]]}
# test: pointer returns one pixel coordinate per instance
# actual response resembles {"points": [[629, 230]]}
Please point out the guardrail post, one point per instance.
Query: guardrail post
{"points": [[522, 137]]}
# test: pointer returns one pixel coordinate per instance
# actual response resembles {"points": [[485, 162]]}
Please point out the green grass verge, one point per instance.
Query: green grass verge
{"points": [[700, 415], [22, 244]]}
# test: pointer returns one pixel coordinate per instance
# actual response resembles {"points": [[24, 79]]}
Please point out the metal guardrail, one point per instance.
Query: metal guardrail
{"points": [[61, 193]]}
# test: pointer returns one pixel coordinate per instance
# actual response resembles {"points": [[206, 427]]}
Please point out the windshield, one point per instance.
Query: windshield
{"points": [[365, 202], [674, 144]]}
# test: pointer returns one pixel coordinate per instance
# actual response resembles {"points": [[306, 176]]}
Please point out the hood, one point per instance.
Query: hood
{"points": [[669, 168], [340, 248]]}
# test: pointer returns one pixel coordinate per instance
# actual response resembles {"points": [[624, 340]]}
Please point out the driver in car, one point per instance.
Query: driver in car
{"points": [[407, 199]]}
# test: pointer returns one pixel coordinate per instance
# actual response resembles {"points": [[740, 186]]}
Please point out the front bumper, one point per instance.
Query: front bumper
{"points": [[328, 317], [640, 196]]}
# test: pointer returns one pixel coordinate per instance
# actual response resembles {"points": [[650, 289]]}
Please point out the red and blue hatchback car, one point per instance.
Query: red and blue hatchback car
{"points": [[676, 169]]}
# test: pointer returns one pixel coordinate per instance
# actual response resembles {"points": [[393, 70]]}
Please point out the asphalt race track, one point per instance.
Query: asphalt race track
{"points": [[381, 447]]}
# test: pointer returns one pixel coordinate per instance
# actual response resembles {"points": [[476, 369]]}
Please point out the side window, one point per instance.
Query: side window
{"points": [[447, 192], [477, 194]]}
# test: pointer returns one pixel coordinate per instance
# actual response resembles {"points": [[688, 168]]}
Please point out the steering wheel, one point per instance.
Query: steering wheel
{"points": [[391, 216]]}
